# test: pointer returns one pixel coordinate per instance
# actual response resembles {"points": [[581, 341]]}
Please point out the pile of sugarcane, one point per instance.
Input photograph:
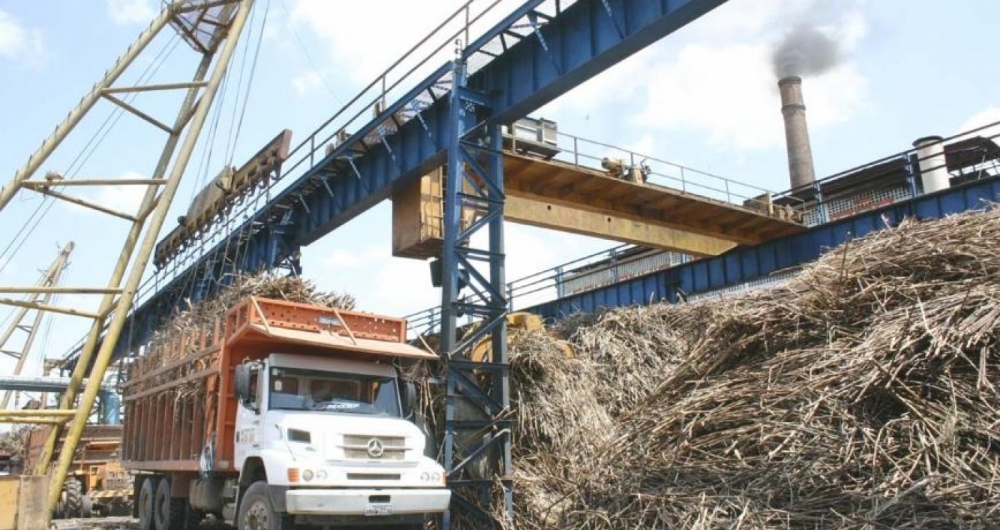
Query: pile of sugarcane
{"points": [[863, 393], [193, 327], [14, 442]]}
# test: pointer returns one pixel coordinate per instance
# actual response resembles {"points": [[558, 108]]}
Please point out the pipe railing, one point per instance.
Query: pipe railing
{"points": [[539, 287], [592, 155]]}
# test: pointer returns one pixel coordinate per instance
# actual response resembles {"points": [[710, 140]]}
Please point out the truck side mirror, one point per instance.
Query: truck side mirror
{"points": [[241, 382], [409, 399]]}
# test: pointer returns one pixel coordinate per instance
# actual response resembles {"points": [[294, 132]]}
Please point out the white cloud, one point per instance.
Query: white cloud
{"points": [[645, 145], [346, 259], [131, 11], [716, 77], [307, 82], [986, 117], [403, 286], [366, 42], [377, 32], [730, 93], [125, 199], [17, 42]]}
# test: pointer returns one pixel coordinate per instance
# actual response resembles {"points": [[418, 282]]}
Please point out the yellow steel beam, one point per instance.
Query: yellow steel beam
{"points": [[42, 294], [109, 302], [145, 117], [36, 416], [46, 307], [91, 182], [611, 226], [58, 290], [42, 154], [150, 88], [85, 203]]}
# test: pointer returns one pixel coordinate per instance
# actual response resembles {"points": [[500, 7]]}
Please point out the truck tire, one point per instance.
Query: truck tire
{"points": [[74, 498], [168, 513], [144, 503], [86, 507], [256, 512]]}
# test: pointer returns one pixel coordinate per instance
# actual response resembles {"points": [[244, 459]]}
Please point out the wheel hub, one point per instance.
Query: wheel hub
{"points": [[258, 517]]}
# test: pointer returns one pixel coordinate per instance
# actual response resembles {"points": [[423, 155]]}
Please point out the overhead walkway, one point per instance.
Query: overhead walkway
{"points": [[634, 198]]}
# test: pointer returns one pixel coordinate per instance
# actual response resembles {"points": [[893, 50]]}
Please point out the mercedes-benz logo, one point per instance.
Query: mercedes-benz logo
{"points": [[375, 448]]}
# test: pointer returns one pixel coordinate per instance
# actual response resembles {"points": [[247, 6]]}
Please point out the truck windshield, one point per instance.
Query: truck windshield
{"points": [[314, 390]]}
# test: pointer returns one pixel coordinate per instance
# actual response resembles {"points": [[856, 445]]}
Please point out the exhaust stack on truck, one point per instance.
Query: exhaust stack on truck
{"points": [[280, 412]]}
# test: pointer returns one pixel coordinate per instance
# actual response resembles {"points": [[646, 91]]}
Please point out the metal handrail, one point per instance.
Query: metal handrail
{"points": [[583, 153], [532, 283]]}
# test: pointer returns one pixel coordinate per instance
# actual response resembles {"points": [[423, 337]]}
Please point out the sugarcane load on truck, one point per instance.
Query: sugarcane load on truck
{"points": [[280, 413]]}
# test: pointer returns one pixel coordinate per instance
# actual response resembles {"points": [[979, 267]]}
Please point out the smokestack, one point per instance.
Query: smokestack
{"points": [[793, 108], [933, 164]]}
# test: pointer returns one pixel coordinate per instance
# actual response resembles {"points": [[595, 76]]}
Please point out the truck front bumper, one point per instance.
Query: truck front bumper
{"points": [[365, 501]]}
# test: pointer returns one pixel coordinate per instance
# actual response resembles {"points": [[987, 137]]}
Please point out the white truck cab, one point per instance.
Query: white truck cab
{"points": [[324, 440]]}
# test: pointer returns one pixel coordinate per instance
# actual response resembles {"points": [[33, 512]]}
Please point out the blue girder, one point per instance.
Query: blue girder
{"points": [[528, 71]]}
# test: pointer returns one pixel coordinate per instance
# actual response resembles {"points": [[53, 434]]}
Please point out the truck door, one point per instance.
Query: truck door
{"points": [[248, 416]]}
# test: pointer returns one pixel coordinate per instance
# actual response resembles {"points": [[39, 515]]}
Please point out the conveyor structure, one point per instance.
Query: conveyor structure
{"points": [[450, 118]]}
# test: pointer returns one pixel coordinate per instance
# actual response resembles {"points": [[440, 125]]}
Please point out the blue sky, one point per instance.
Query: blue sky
{"points": [[704, 97]]}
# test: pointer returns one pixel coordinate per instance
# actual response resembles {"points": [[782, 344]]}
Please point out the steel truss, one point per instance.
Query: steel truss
{"points": [[475, 183]]}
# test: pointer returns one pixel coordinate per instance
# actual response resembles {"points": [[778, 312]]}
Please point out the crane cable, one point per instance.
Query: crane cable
{"points": [[308, 56], [81, 158], [246, 96], [207, 155], [237, 125]]}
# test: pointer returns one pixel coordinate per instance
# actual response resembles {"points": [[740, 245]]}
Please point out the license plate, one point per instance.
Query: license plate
{"points": [[374, 509]]}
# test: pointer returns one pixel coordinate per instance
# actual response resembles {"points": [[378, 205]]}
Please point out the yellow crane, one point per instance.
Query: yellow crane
{"points": [[212, 29]]}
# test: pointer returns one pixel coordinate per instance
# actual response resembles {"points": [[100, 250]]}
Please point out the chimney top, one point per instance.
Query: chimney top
{"points": [[922, 141], [791, 79]]}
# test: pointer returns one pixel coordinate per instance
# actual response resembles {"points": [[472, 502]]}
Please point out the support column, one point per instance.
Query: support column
{"points": [[478, 392]]}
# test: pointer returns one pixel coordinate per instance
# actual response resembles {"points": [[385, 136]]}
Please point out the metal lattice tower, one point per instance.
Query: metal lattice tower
{"points": [[475, 182], [212, 29]]}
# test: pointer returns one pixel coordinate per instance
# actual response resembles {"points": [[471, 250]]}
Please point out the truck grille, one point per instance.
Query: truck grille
{"points": [[356, 447], [371, 476]]}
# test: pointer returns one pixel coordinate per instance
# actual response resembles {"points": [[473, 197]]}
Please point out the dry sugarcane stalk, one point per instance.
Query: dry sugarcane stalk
{"points": [[861, 394]]}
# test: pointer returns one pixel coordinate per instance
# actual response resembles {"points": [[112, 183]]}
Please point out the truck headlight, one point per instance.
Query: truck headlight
{"points": [[307, 475], [321, 474], [429, 477]]}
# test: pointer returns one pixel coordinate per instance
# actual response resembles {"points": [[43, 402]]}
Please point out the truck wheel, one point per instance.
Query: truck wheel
{"points": [[168, 513], [86, 507], [256, 512], [74, 497], [144, 504]]}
